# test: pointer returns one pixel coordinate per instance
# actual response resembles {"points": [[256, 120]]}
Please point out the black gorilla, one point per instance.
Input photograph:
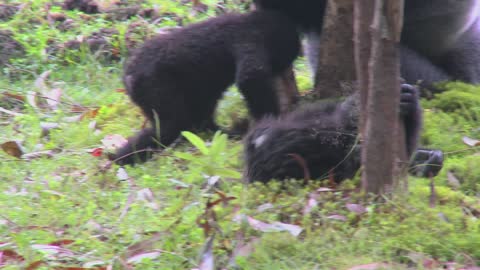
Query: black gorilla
{"points": [[177, 78], [324, 137], [440, 38]]}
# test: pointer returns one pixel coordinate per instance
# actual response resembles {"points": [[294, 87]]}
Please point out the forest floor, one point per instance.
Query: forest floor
{"points": [[63, 205]]}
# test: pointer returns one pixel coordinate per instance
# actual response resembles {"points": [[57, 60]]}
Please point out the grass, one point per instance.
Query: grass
{"points": [[73, 209]]}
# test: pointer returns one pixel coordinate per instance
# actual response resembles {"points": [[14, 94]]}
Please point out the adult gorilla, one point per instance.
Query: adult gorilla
{"points": [[440, 38]]}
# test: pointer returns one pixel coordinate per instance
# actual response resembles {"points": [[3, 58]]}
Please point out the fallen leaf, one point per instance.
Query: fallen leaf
{"points": [[90, 113], [274, 227], [94, 263], [142, 246], [72, 119], [53, 97], [14, 96], [264, 207], [113, 141], [10, 112], [245, 249], [35, 265], [452, 180], [40, 82], [46, 127], [32, 99], [207, 261], [292, 229], [139, 257], [470, 142], [337, 217], [311, 203], [8, 254], [39, 154], [50, 249], [145, 194], [97, 152], [78, 109], [62, 242], [122, 174], [356, 208], [92, 125], [12, 148], [324, 189]]}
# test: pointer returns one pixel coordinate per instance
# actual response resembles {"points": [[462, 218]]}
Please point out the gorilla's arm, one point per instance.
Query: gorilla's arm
{"points": [[411, 115]]}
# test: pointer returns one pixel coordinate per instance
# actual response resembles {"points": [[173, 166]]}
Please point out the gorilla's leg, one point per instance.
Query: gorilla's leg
{"points": [[257, 83]]}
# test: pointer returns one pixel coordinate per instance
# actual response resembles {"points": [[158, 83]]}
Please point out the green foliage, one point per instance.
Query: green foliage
{"points": [[214, 159], [445, 131], [467, 172], [461, 99]]}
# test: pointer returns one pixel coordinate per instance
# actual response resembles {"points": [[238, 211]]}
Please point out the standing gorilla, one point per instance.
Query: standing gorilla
{"points": [[440, 38], [324, 137], [177, 78]]}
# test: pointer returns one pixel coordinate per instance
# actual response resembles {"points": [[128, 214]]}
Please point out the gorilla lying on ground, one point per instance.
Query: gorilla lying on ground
{"points": [[177, 78], [324, 137], [440, 38]]}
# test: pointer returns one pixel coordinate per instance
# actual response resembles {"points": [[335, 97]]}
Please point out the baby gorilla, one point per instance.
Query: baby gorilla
{"points": [[324, 137], [177, 78]]}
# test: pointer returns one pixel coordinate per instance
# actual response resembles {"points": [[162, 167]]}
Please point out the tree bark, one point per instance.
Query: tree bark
{"points": [[335, 58], [382, 140]]}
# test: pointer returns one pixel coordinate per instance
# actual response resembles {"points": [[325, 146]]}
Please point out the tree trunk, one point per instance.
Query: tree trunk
{"points": [[335, 58], [381, 97], [362, 18]]}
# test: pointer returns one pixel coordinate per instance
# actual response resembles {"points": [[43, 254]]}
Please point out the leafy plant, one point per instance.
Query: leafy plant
{"points": [[214, 158]]}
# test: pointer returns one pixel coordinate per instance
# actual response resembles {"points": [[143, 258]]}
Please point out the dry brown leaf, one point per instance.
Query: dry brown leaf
{"points": [[9, 255], [62, 242], [12, 148], [90, 113], [14, 96], [35, 265]]}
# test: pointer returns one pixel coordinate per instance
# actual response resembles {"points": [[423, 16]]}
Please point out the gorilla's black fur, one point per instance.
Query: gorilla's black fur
{"points": [[324, 136], [177, 78], [440, 38]]}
